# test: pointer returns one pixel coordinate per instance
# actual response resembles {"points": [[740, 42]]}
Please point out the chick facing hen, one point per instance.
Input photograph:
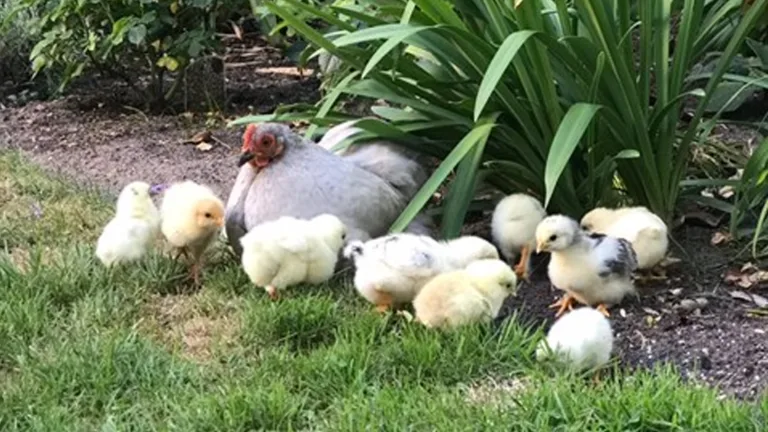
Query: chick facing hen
{"points": [[593, 269], [513, 228], [391, 270], [474, 294], [192, 217], [638, 225], [581, 340], [129, 235], [289, 251]]}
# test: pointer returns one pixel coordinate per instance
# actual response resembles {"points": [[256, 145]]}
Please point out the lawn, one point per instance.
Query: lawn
{"points": [[85, 348]]}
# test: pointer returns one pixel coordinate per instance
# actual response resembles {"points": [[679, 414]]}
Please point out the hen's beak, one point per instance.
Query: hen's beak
{"points": [[245, 157]]}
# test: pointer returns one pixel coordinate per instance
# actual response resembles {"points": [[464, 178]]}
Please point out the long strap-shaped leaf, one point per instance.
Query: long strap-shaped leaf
{"points": [[567, 138], [477, 136]]}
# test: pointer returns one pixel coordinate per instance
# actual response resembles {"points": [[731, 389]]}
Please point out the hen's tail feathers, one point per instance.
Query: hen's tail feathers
{"points": [[353, 250]]}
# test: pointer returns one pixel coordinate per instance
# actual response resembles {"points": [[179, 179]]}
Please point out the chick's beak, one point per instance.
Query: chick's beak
{"points": [[245, 157], [541, 246], [220, 222]]}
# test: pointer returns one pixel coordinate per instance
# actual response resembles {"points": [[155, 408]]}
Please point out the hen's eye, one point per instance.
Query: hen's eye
{"points": [[208, 215], [553, 237], [267, 141]]}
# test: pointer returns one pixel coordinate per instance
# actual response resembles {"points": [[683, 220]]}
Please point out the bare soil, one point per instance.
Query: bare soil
{"points": [[91, 137]]}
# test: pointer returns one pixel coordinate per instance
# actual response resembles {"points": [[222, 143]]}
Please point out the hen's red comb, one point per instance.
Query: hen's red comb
{"points": [[248, 136]]}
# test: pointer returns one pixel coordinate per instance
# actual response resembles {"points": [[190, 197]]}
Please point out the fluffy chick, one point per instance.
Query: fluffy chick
{"points": [[474, 294], [513, 228], [289, 251], [129, 235], [591, 268], [581, 339], [391, 270], [646, 231], [192, 216]]}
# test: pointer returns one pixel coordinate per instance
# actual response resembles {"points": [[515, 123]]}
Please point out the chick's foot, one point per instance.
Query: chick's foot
{"points": [[521, 268], [603, 310], [272, 292], [565, 302]]}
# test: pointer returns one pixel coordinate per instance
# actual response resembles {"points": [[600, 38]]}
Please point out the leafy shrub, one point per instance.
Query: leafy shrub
{"points": [[575, 101], [17, 37], [124, 39], [750, 211]]}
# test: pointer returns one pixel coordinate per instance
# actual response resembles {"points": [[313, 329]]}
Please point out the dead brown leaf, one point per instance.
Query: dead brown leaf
{"points": [[200, 137], [204, 147], [758, 300], [720, 238]]}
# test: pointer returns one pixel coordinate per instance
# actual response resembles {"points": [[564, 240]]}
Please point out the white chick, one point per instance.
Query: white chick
{"points": [[474, 294], [129, 235], [391, 270], [646, 231], [513, 228], [581, 339], [593, 269], [289, 251], [191, 218]]}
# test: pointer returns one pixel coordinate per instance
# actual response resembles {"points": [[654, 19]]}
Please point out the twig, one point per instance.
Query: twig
{"points": [[137, 111], [220, 142]]}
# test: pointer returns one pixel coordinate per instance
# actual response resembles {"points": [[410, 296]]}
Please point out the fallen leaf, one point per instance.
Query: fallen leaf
{"points": [[651, 311], [760, 301], [720, 238], [749, 267], [200, 137], [741, 295], [204, 147]]}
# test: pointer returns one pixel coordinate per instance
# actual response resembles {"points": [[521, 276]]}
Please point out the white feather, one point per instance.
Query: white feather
{"points": [[582, 339], [129, 235]]}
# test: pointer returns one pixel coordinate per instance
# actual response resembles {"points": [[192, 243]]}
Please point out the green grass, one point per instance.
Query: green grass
{"points": [[84, 348]]}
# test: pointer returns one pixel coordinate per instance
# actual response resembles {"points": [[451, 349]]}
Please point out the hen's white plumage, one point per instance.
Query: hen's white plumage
{"points": [[638, 225], [592, 269], [289, 251], [474, 294], [129, 235], [390, 270], [582, 339]]}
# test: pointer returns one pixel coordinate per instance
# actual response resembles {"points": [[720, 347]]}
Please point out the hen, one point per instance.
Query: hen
{"points": [[282, 174]]}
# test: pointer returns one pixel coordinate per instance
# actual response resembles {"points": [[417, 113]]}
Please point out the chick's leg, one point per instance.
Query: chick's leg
{"points": [[565, 302], [521, 268], [603, 309], [384, 302], [272, 292]]}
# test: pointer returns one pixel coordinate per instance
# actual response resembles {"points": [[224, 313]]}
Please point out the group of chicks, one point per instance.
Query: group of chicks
{"points": [[449, 283]]}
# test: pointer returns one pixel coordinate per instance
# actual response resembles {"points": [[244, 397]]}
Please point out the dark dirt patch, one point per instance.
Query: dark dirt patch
{"points": [[720, 345], [90, 137]]}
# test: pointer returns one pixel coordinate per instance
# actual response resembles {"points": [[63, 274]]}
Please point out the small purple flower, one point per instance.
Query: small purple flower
{"points": [[37, 211], [157, 188]]}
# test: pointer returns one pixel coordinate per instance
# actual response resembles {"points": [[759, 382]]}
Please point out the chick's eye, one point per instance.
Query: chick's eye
{"points": [[553, 237], [343, 236], [208, 215]]}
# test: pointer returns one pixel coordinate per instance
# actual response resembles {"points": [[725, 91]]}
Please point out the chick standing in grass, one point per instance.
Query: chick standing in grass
{"points": [[638, 225], [129, 235], [581, 339], [289, 251], [513, 227], [593, 269], [391, 270], [474, 294], [192, 216]]}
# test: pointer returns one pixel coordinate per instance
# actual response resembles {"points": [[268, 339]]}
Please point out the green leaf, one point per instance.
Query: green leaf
{"points": [[168, 62], [567, 138], [498, 66], [137, 34], [388, 46], [479, 134]]}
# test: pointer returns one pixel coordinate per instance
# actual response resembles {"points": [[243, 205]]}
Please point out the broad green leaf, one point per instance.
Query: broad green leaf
{"points": [[388, 46], [498, 66], [137, 34], [477, 135], [330, 101], [386, 31], [567, 138]]}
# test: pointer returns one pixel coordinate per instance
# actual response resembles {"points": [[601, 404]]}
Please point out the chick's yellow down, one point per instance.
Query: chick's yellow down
{"points": [[513, 228], [391, 270], [192, 217], [289, 251], [638, 225], [593, 269], [129, 235], [474, 294]]}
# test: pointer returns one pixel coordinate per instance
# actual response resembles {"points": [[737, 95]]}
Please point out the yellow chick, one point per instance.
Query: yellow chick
{"points": [[289, 251], [593, 269], [513, 228], [474, 294], [638, 225], [129, 235], [191, 218], [391, 270]]}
